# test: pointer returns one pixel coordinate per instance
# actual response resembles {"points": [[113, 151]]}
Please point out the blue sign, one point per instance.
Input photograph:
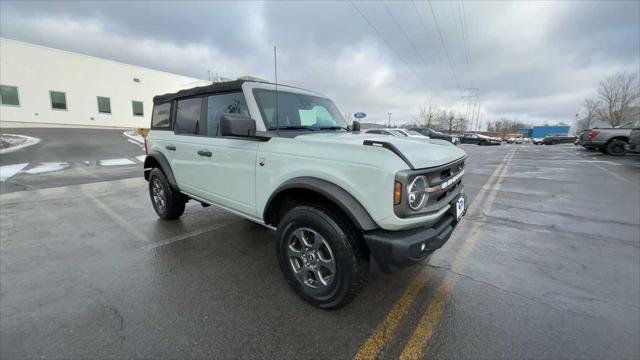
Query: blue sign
{"points": [[359, 115]]}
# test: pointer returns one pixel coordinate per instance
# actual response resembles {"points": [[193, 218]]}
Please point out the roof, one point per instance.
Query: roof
{"points": [[214, 88], [218, 88]]}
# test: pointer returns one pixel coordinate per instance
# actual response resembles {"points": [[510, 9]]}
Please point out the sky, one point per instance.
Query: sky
{"points": [[534, 61]]}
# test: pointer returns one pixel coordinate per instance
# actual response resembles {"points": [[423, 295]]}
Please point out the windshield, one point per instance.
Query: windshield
{"points": [[413, 132], [298, 111]]}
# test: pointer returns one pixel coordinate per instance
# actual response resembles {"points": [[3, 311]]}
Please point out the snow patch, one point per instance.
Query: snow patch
{"points": [[47, 167], [115, 162], [134, 136], [7, 171], [17, 142]]}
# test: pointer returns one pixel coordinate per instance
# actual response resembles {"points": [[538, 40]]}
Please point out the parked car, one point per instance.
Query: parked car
{"points": [[335, 197], [558, 139], [514, 140], [634, 141], [395, 132], [478, 139], [610, 141], [437, 135], [537, 141]]}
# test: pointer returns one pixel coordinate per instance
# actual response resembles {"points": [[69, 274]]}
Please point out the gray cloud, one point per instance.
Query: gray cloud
{"points": [[532, 60]]}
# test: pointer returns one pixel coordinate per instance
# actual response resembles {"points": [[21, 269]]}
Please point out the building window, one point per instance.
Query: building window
{"points": [[138, 109], [104, 105], [9, 95], [58, 100]]}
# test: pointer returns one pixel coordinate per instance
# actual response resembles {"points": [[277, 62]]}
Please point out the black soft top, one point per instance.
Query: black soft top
{"points": [[215, 88]]}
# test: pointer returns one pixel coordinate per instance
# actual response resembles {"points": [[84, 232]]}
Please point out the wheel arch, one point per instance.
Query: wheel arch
{"points": [[310, 189], [620, 137], [156, 159]]}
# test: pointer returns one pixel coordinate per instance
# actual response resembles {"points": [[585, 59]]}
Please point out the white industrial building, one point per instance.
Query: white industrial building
{"points": [[41, 86]]}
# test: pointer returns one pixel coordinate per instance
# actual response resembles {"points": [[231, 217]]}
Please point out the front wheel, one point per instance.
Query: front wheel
{"points": [[321, 256]]}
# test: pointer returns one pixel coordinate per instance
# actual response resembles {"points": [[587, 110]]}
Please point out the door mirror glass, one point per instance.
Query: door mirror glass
{"points": [[237, 125]]}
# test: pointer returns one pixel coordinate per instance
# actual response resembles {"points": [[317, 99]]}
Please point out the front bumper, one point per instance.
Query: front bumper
{"points": [[397, 249]]}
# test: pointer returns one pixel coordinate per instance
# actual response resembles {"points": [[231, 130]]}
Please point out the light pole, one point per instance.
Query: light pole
{"points": [[389, 121]]}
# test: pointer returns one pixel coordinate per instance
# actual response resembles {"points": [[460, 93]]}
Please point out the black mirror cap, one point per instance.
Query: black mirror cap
{"points": [[355, 126], [237, 125]]}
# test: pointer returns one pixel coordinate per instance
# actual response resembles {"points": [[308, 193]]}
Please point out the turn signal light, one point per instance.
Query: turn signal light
{"points": [[397, 193]]}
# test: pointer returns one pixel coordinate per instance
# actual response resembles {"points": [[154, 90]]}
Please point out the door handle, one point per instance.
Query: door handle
{"points": [[206, 153], [170, 147]]}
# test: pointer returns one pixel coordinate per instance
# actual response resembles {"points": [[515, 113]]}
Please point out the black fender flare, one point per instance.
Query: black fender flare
{"points": [[157, 159], [340, 197]]}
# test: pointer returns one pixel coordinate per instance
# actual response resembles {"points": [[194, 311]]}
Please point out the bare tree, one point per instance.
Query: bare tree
{"points": [[461, 124], [447, 120], [618, 94], [592, 110], [426, 116]]}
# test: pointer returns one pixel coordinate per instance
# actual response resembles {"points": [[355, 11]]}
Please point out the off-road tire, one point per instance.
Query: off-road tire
{"points": [[349, 253], [174, 202], [615, 148]]}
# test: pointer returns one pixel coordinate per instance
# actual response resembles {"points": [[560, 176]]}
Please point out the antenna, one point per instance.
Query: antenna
{"points": [[275, 71]]}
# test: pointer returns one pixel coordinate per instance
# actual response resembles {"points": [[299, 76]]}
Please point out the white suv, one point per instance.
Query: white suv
{"points": [[285, 158]]}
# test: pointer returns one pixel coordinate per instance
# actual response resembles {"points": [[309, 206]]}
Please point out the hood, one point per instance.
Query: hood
{"points": [[421, 153]]}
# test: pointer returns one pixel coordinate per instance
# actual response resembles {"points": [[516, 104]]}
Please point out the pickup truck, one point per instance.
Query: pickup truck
{"points": [[285, 158], [610, 141]]}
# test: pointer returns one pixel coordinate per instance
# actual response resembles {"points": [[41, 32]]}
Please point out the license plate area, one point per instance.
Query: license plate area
{"points": [[458, 205]]}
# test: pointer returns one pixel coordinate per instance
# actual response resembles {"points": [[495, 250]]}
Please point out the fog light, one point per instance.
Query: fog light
{"points": [[423, 246]]}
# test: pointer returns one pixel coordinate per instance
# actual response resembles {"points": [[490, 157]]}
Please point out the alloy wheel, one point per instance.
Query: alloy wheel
{"points": [[157, 191], [311, 258]]}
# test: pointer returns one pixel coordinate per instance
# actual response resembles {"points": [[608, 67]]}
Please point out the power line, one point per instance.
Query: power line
{"points": [[406, 36], [426, 30], [386, 42], [455, 77], [463, 33]]}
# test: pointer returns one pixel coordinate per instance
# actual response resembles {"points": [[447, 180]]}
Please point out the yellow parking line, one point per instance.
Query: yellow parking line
{"points": [[386, 330], [388, 327], [414, 349]]}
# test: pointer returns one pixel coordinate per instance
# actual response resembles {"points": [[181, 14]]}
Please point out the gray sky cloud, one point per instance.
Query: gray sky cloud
{"points": [[533, 60]]}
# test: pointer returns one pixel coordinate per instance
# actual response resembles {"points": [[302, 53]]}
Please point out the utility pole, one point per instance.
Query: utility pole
{"points": [[389, 120]]}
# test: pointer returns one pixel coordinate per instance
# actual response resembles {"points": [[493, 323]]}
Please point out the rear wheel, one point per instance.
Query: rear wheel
{"points": [[615, 148], [168, 203], [321, 256]]}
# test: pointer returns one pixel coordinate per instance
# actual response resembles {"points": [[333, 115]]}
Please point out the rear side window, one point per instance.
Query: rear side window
{"points": [[161, 116], [188, 116]]}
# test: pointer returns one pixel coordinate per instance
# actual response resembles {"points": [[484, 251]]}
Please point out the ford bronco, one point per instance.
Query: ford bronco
{"points": [[285, 158]]}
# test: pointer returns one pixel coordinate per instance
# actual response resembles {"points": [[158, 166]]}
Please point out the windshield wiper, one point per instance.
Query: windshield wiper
{"points": [[293, 127], [334, 128]]}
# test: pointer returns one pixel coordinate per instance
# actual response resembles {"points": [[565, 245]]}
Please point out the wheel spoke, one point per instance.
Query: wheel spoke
{"points": [[327, 264], [322, 281]]}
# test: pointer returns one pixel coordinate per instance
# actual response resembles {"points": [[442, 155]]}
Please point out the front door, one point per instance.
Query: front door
{"points": [[225, 170]]}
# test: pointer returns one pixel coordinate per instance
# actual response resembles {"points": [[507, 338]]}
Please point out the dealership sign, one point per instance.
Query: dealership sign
{"points": [[359, 115]]}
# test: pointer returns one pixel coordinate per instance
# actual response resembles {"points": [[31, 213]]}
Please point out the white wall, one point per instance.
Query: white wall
{"points": [[35, 70]]}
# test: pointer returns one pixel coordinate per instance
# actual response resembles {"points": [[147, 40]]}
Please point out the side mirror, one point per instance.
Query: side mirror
{"points": [[237, 125], [355, 126]]}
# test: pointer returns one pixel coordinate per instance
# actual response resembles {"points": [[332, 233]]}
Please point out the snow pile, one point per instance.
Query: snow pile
{"points": [[13, 142], [134, 136]]}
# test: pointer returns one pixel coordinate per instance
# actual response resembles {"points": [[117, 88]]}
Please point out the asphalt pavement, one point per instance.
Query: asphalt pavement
{"points": [[69, 156], [546, 264]]}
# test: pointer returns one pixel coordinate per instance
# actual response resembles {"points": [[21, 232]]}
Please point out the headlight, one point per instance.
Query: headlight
{"points": [[417, 192]]}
